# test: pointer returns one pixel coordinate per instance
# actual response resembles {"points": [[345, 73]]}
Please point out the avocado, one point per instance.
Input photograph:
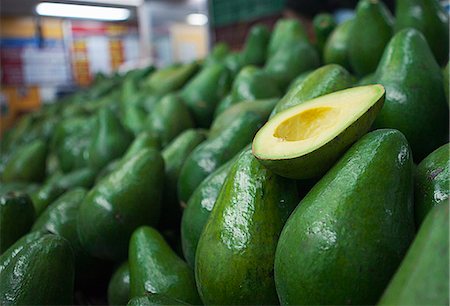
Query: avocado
{"points": [[323, 25], [235, 254], [446, 82], [423, 277], [218, 54], [214, 152], [169, 118], [174, 156], [122, 201], [37, 270], [255, 48], [155, 268], [322, 81], [204, 91], [27, 164], [134, 117], [304, 141], [16, 217], [154, 300], [431, 182], [370, 32], [223, 105], [253, 83], [233, 62], [285, 30], [414, 93], [299, 80], [430, 18], [344, 241], [171, 78], [336, 49], [119, 286], [366, 80], [110, 139]]}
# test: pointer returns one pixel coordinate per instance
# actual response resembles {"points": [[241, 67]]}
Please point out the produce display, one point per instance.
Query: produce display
{"points": [[296, 171]]}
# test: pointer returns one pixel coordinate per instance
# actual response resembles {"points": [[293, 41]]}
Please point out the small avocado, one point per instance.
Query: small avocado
{"points": [[336, 49], [256, 44], [235, 254], [344, 241], [154, 299], [218, 54], [431, 184], [155, 268], [122, 201], [285, 30], [171, 78], [119, 286], [323, 25], [304, 141]]}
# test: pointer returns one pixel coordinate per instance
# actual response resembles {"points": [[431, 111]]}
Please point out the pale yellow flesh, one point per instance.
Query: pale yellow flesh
{"points": [[303, 128]]}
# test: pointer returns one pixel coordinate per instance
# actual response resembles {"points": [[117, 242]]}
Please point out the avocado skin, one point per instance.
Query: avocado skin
{"points": [[446, 82], [155, 268], [285, 30], [154, 300], [322, 81], [255, 48], [431, 182], [122, 201], [202, 94], [37, 270], [422, 278], [119, 286], [235, 254], [218, 54], [336, 49], [299, 79], [27, 164], [213, 153], [174, 155], [199, 208], [369, 34], [169, 79], [341, 216], [16, 218], [413, 99], [169, 118], [429, 17], [323, 25]]}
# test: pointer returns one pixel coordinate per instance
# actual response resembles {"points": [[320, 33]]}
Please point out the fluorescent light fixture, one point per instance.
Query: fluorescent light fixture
{"points": [[113, 2], [197, 19], [82, 11]]}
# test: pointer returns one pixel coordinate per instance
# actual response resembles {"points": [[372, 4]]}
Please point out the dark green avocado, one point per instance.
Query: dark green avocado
{"points": [[119, 286]]}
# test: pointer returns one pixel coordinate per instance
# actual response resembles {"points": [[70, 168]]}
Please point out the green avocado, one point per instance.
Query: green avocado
{"points": [[366, 80], [446, 82], [154, 300], [110, 139], [37, 270], [223, 105], [218, 54], [118, 204], [169, 118], [322, 81], [414, 93], [256, 44], [299, 80], [423, 277], [134, 117], [235, 254], [336, 49], [16, 218], [214, 152], [285, 30], [344, 241], [430, 18], [27, 164], [202, 94], [166, 80], [155, 268], [119, 286], [369, 34], [233, 62], [431, 184], [174, 156], [323, 25]]}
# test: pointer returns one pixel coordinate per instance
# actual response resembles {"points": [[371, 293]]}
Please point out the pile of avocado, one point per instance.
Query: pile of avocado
{"points": [[291, 172]]}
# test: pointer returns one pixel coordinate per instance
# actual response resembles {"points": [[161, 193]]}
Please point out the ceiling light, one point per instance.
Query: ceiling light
{"points": [[82, 11], [197, 19]]}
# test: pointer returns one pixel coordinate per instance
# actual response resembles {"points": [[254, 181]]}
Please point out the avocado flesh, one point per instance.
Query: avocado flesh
{"points": [[304, 141]]}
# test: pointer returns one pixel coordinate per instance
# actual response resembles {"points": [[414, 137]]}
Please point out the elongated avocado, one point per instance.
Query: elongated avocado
{"points": [[323, 25], [336, 50], [285, 30], [255, 48], [119, 286], [170, 78]]}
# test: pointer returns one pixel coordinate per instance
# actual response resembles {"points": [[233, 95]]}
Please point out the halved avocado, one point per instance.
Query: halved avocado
{"points": [[304, 141]]}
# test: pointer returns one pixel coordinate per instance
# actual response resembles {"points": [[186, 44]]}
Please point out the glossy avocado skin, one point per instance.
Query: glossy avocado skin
{"points": [[174, 156], [323, 25], [285, 30], [119, 286], [344, 241], [155, 268], [429, 17], [369, 34], [199, 208], [170, 78], [27, 164], [37, 270], [16, 218], [423, 276], [154, 300], [255, 48], [235, 254], [213, 153], [414, 93], [121, 202], [169, 118], [336, 49], [322, 81], [431, 182], [202, 94]]}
